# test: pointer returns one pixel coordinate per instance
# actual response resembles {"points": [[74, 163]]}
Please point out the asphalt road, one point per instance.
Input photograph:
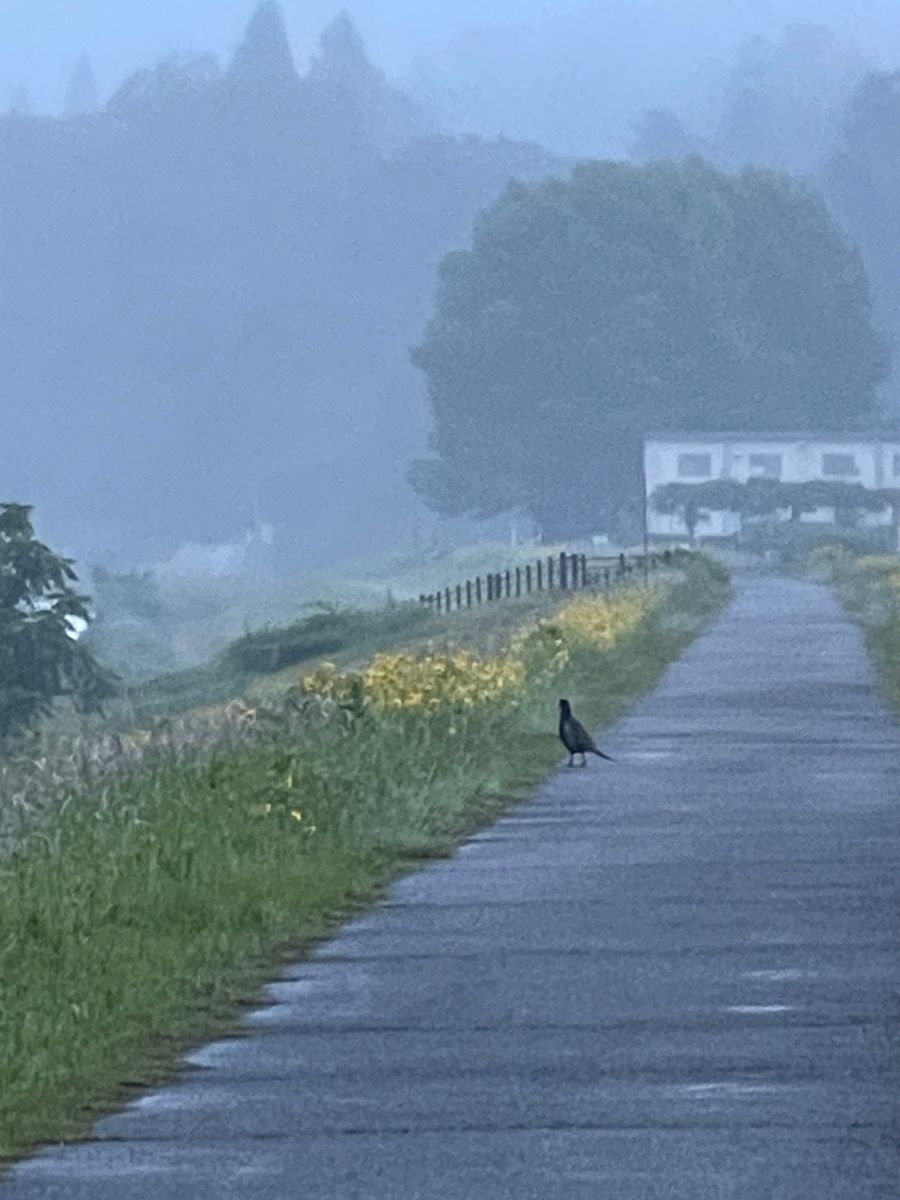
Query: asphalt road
{"points": [[676, 976]]}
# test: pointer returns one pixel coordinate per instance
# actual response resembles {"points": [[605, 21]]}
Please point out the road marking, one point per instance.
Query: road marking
{"points": [[759, 1008], [785, 975], [731, 1089]]}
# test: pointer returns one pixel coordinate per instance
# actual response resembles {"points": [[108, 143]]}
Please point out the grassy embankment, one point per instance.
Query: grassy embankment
{"points": [[139, 915], [354, 613], [869, 587]]}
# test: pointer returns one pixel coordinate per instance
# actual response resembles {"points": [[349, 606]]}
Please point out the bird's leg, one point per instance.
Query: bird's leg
{"points": [[583, 762], [571, 762]]}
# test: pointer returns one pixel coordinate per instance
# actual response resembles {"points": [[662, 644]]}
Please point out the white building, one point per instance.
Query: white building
{"points": [[872, 460]]}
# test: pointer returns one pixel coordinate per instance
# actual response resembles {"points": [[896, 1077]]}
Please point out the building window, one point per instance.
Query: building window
{"points": [[695, 466], [839, 464], [765, 466]]}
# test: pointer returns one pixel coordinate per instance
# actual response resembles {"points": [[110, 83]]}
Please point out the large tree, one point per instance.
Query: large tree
{"points": [[861, 181], [592, 310]]}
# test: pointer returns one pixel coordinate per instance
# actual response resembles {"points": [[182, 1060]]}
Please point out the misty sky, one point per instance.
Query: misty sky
{"points": [[173, 322], [665, 43]]}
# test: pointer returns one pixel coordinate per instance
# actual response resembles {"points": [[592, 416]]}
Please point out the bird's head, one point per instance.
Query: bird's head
{"points": [[565, 708]]}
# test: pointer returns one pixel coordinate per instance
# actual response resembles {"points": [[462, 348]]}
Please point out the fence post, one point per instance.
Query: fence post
{"points": [[563, 571], [447, 599], [550, 572], [584, 575], [478, 589], [528, 579], [508, 585], [490, 588], [518, 582], [606, 577], [540, 576], [498, 586], [438, 597], [468, 593]]}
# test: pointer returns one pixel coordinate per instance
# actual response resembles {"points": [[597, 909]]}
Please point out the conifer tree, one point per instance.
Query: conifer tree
{"points": [[81, 92], [263, 60], [349, 91]]}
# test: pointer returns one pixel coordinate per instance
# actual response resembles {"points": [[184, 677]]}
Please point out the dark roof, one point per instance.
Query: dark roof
{"points": [[688, 435]]}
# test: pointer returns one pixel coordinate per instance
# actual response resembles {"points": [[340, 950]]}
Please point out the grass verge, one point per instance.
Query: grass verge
{"points": [[869, 588], [139, 919], [255, 658]]}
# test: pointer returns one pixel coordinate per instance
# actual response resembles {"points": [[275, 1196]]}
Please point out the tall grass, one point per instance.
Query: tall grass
{"points": [[869, 587], [332, 631], [136, 915]]}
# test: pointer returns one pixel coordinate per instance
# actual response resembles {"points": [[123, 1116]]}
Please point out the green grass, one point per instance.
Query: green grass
{"points": [[872, 600], [483, 629], [202, 615], [338, 633], [360, 621], [266, 662], [324, 633], [141, 920]]}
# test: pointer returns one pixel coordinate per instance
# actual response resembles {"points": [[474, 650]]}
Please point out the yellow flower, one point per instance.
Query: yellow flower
{"points": [[435, 681]]}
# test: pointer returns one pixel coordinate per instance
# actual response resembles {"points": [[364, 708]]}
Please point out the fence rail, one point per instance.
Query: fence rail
{"points": [[557, 572]]}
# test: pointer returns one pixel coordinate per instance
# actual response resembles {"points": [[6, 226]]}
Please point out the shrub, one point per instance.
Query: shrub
{"points": [[326, 632]]}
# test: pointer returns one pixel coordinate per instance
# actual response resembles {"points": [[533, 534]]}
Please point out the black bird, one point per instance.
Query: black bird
{"points": [[575, 737]]}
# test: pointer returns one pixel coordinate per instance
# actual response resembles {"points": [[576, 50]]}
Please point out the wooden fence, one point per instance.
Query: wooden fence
{"points": [[563, 572]]}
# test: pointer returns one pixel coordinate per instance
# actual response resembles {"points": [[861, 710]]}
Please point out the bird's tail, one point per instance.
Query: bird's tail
{"points": [[600, 754]]}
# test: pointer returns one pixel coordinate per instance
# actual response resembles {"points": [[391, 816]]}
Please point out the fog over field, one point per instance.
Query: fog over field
{"points": [[223, 340]]}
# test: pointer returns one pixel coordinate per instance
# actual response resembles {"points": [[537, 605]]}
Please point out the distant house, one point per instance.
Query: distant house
{"points": [[872, 460]]}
